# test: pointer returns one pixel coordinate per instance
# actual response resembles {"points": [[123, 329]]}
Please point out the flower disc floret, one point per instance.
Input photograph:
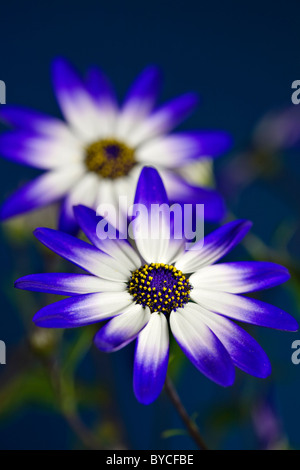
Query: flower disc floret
{"points": [[159, 286], [109, 158]]}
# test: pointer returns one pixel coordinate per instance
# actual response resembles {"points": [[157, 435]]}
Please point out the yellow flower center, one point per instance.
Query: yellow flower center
{"points": [[109, 158], [159, 286]]}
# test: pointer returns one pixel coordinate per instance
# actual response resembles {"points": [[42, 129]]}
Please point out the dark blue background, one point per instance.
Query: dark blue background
{"points": [[241, 57]]}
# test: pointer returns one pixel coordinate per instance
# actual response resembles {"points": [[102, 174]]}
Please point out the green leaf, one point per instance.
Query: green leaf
{"points": [[173, 432]]}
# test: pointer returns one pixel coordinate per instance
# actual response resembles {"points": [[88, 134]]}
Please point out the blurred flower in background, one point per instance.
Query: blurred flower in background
{"points": [[96, 156], [276, 132], [267, 424]]}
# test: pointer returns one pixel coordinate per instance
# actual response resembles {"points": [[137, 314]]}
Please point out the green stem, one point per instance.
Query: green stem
{"points": [[190, 425]]}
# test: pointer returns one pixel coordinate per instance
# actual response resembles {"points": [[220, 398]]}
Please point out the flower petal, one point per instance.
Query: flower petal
{"points": [[214, 246], [105, 100], [244, 351], [30, 120], [164, 119], [75, 102], [201, 346], [145, 89], [101, 89], [42, 191], [83, 254], [182, 192], [177, 149], [122, 329], [139, 101], [83, 192], [244, 309], [151, 359], [82, 310], [240, 277], [120, 249], [67, 284], [39, 151], [151, 225]]}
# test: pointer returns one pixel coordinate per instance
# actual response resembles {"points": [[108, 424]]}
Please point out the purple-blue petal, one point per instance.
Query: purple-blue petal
{"points": [[260, 275], [245, 309], [111, 342], [177, 110], [151, 359], [214, 206], [69, 90], [122, 329], [146, 87], [54, 283], [67, 221], [244, 351], [148, 383], [15, 146], [82, 310], [30, 196], [88, 219], [202, 347], [27, 118], [68, 313], [206, 143], [150, 188], [225, 238], [65, 77], [77, 251], [100, 87], [241, 276]]}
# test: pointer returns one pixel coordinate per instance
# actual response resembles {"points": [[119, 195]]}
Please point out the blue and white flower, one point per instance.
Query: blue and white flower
{"points": [[143, 291], [97, 155]]}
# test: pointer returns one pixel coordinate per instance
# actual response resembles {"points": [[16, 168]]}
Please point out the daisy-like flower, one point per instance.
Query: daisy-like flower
{"points": [[145, 290], [97, 155]]}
